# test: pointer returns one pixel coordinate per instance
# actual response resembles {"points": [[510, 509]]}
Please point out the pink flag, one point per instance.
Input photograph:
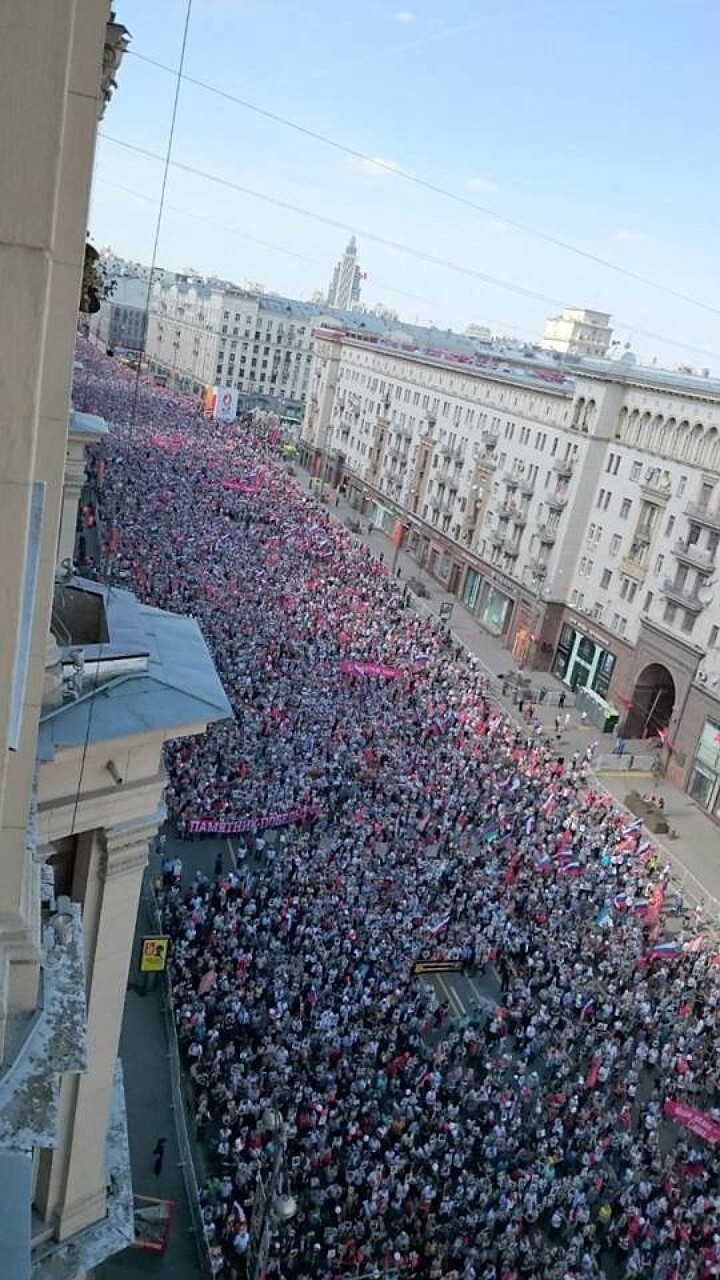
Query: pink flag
{"points": [[696, 1121]]}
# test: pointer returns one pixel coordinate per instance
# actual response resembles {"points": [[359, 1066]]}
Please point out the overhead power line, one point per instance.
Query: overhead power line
{"points": [[434, 187], [420, 254], [302, 257]]}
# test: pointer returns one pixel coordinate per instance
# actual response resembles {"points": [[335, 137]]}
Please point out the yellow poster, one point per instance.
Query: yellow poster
{"points": [[153, 956]]}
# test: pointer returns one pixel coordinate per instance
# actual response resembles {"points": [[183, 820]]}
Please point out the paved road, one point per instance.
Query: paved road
{"points": [[693, 850]]}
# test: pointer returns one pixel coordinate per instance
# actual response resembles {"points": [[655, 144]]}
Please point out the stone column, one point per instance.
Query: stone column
{"points": [[73, 481], [72, 1178]]}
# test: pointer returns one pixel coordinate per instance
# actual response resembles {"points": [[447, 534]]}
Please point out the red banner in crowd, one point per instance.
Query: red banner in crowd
{"points": [[240, 486], [170, 443], [235, 826], [690, 1118], [370, 669]]}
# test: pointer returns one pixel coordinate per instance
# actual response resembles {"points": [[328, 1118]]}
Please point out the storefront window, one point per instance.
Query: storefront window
{"points": [[564, 650], [705, 777], [444, 566], [471, 588], [603, 675], [495, 610]]}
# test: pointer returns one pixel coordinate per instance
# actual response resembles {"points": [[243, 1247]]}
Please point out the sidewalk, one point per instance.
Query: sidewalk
{"points": [[697, 870], [144, 1050]]}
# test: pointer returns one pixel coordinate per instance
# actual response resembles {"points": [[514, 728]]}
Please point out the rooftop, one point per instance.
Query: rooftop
{"points": [[127, 669]]}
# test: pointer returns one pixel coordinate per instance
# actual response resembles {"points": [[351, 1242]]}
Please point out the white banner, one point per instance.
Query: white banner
{"points": [[226, 401]]}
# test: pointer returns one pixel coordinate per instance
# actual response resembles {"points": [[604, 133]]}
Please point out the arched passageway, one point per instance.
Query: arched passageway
{"points": [[653, 700]]}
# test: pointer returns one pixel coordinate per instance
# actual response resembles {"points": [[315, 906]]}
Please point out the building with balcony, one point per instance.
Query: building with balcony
{"points": [[90, 688], [585, 513], [578, 332], [212, 333]]}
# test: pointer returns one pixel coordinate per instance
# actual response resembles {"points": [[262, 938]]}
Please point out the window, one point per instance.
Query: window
{"points": [[615, 544], [611, 459], [606, 503], [632, 591], [659, 564], [601, 496], [616, 467], [669, 613], [624, 584], [670, 526], [682, 485], [625, 506], [606, 579], [591, 533], [688, 622], [635, 470], [648, 602]]}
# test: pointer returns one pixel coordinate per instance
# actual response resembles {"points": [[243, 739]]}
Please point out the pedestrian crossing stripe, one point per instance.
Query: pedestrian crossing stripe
{"points": [[421, 967]]}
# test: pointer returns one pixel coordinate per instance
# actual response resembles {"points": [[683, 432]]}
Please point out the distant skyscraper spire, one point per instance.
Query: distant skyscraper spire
{"points": [[345, 284]]}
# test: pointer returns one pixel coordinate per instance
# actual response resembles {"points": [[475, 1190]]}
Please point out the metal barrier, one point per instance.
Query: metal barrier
{"points": [[625, 763], [187, 1161]]}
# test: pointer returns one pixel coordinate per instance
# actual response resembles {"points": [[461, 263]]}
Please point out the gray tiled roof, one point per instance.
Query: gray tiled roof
{"points": [[180, 687]]}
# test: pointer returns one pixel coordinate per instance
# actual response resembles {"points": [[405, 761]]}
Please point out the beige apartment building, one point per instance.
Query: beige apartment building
{"points": [[91, 685], [573, 508]]}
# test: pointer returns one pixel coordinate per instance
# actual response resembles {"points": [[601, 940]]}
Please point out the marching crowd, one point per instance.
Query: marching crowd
{"points": [[553, 1130]]}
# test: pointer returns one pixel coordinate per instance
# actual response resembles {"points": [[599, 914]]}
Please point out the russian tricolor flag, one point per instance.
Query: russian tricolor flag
{"points": [[633, 826], [665, 951], [570, 869], [441, 925], [620, 901]]}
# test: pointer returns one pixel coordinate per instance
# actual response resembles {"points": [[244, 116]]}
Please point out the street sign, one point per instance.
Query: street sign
{"points": [[153, 955]]}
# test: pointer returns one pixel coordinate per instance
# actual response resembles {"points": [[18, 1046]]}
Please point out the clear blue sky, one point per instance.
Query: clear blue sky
{"points": [[596, 121]]}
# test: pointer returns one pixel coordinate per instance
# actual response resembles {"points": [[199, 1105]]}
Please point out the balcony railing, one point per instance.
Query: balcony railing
{"points": [[690, 553], [556, 501], [564, 466], [547, 533], [701, 514], [657, 493], [687, 599]]}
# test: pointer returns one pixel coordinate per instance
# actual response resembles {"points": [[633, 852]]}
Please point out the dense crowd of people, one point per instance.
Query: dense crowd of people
{"points": [[530, 1137]]}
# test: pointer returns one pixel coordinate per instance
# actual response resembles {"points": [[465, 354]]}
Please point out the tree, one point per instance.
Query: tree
{"points": [[95, 284]]}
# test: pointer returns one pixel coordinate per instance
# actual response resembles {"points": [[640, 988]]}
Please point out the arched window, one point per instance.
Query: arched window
{"points": [[588, 416], [655, 433], [578, 410], [621, 425], [711, 459], [644, 434], [632, 426], [674, 437], [696, 443]]}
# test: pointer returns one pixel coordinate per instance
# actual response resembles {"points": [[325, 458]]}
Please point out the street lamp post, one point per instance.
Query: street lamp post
{"points": [[272, 1205]]}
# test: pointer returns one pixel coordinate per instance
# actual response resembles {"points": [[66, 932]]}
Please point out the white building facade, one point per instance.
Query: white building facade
{"points": [[575, 512], [578, 332], [203, 333]]}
